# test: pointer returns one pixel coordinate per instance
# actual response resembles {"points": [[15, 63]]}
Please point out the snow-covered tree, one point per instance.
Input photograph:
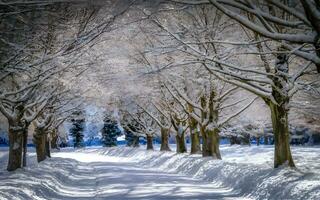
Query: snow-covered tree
{"points": [[77, 128], [274, 84], [208, 113], [76, 132], [110, 132], [41, 42], [144, 125], [292, 32], [163, 121]]}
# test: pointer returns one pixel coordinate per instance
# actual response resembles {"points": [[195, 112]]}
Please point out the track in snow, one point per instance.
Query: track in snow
{"points": [[75, 175]]}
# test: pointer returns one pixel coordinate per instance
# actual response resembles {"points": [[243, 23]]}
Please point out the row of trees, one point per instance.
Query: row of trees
{"points": [[46, 46], [43, 50], [278, 36]]}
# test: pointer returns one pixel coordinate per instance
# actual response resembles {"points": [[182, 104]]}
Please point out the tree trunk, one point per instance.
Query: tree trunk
{"points": [[15, 146], [48, 148], [212, 144], [164, 140], [149, 142], [204, 138], [194, 135], [215, 143], [258, 141], [41, 148], [54, 140], [181, 144], [279, 112], [282, 152], [24, 146], [25, 143], [195, 143], [40, 142]]}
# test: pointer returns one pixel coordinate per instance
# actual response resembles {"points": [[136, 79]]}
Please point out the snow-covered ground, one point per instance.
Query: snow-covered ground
{"points": [[127, 173]]}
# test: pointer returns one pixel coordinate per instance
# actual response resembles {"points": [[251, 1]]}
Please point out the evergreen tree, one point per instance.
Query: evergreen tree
{"points": [[110, 132], [77, 132]]}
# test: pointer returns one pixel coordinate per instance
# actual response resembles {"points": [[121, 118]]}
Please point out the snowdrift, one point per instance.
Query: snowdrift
{"points": [[246, 170]]}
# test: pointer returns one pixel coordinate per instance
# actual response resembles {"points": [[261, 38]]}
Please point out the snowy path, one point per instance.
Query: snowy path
{"points": [[76, 175], [127, 173], [115, 178]]}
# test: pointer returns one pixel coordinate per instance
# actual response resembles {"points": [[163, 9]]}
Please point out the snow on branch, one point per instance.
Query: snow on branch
{"points": [[224, 122]]}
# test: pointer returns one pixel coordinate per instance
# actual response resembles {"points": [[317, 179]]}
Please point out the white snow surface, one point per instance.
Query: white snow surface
{"points": [[134, 173]]}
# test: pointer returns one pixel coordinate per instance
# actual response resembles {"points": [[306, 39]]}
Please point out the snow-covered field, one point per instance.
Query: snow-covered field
{"points": [[127, 173]]}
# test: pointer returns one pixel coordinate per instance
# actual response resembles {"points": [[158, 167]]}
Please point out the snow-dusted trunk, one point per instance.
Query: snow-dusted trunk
{"points": [[41, 148], [54, 140], [149, 142], [282, 152], [25, 142], [181, 144], [213, 143], [194, 135], [210, 143], [15, 146], [40, 141], [205, 149], [48, 147], [195, 142], [279, 113], [164, 139]]}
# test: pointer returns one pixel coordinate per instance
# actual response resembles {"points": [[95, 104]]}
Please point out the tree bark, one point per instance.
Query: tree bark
{"points": [[15, 146], [25, 143], [204, 138], [40, 142], [54, 141], [279, 112], [149, 142], [41, 148], [195, 143], [212, 145], [48, 148], [194, 135], [214, 139], [164, 140], [181, 144], [282, 151]]}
